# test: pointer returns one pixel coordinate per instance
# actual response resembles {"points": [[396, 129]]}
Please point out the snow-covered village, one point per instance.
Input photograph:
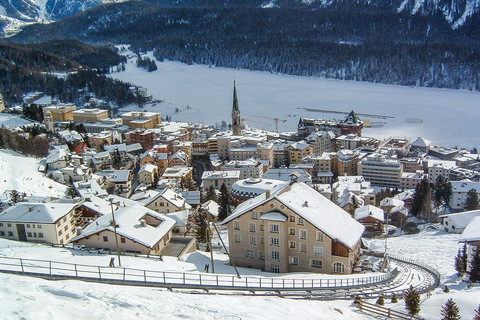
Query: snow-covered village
{"points": [[138, 215]]}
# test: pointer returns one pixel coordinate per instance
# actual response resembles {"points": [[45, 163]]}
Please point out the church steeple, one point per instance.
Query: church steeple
{"points": [[236, 119]]}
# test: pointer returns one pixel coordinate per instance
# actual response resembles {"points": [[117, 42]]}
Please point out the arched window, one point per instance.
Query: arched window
{"points": [[338, 267]]}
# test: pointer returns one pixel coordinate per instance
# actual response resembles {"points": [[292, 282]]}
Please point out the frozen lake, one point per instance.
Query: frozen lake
{"points": [[204, 94]]}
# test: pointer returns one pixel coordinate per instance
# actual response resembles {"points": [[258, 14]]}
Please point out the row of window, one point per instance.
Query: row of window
{"points": [[29, 234], [33, 226]]}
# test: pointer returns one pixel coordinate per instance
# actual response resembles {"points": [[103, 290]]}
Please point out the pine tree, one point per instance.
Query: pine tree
{"points": [[201, 226], [211, 194], [225, 203], [471, 201], [459, 266], [450, 311], [474, 271], [422, 200], [477, 314], [412, 301]]}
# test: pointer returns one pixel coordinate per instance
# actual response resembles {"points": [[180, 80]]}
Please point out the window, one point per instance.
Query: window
{"points": [[262, 255], [292, 218], [252, 227], [59, 233], [253, 241], [320, 237], [318, 250], [292, 231], [238, 238], [64, 219], [33, 226], [1, 224], [29, 234], [67, 236], [250, 254], [261, 227], [254, 215], [10, 233], [303, 234], [294, 260], [66, 228], [40, 234], [274, 242], [275, 255], [292, 244], [316, 263], [236, 225], [28, 226], [262, 240], [122, 240], [2, 233], [304, 247], [300, 220], [275, 268], [338, 267], [274, 228], [34, 234], [9, 224], [105, 238], [162, 204]]}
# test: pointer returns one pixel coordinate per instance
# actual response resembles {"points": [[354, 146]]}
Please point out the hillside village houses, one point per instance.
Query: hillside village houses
{"points": [[334, 166]]}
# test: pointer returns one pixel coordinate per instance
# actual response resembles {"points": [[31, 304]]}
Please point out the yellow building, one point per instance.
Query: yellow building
{"points": [[61, 112], [89, 115], [142, 120]]}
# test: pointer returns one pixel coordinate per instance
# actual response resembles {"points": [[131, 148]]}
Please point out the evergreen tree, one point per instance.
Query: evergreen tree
{"points": [[460, 266], [16, 196], [477, 314], [471, 201], [442, 192], [422, 200], [450, 311], [225, 203], [201, 226], [474, 271], [211, 194], [412, 301]]}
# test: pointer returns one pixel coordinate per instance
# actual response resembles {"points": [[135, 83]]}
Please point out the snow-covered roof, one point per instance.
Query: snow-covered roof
{"points": [[313, 207], [148, 168], [129, 225], [36, 212], [211, 207], [461, 220], [120, 176], [391, 202], [369, 211], [180, 217], [283, 174], [192, 197], [465, 186], [472, 231], [89, 188], [421, 142]]}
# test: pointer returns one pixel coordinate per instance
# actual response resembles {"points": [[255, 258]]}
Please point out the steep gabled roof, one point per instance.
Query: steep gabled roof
{"points": [[312, 207], [36, 212]]}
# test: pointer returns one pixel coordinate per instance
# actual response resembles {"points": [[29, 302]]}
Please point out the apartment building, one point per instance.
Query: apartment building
{"points": [[89, 115], [293, 229], [381, 170]]}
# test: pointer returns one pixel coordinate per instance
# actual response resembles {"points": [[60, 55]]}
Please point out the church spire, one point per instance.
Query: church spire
{"points": [[236, 120]]}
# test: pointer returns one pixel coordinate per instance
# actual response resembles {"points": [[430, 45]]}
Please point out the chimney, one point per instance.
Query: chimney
{"points": [[143, 222], [30, 208], [306, 203], [267, 194], [79, 230]]}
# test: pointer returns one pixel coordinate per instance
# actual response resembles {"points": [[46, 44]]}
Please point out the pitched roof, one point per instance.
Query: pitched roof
{"points": [[369, 211], [129, 225], [312, 207], [472, 231], [36, 212], [461, 220]]}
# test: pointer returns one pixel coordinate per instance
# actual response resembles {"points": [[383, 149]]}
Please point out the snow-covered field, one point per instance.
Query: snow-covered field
{"points": [[449, 117], [18, 172], [25, 298]]}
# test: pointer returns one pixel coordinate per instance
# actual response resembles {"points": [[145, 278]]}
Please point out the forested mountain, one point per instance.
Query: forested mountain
{"points": [[350, 39], [27, 68]]}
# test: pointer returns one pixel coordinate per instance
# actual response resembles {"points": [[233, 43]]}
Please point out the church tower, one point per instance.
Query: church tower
{"points": [[236, 119], [48, 121]]}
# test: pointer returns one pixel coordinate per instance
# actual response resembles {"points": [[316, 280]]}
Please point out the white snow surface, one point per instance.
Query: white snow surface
{"points": [[27, 298], [18, 172], [450, 117]]}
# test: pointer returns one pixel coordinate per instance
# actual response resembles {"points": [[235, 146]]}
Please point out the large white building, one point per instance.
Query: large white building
{"points": [[438, 168], [217, 178], [250, 168], [39, 222], [381, 170]]}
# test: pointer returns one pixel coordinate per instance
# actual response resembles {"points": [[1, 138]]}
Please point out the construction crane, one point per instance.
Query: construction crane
{"points": [[251, 120], [269, 118]]}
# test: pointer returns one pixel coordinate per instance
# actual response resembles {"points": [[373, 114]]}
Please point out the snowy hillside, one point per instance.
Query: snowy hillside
{"points": [[20, 173], [17, 13]]}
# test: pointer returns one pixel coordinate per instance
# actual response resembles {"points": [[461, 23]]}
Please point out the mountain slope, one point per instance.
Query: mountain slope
{"points": [[16, 13]]}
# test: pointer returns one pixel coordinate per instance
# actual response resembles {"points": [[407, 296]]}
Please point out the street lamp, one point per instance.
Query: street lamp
{"points": [[115, 231]]}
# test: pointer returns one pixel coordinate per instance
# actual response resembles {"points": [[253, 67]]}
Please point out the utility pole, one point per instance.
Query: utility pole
{"points": [[209, 232], [115, 231]]}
